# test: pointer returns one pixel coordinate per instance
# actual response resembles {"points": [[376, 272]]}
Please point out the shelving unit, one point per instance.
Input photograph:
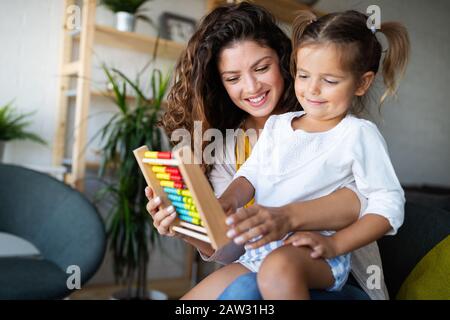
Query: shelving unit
{"points": [[81, 69]]}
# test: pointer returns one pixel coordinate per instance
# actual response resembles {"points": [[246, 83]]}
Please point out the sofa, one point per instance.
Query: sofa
{"points": [[416, 261]]}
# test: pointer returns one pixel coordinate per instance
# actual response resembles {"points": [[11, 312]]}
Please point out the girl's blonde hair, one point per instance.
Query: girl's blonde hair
{"points": [[361, 50]]}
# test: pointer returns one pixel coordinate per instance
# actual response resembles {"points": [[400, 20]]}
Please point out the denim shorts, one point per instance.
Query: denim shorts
{"points": [[340, 267]]}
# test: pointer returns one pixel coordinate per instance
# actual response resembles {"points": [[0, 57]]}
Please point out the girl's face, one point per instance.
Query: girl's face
{"points": [[252, 78], [322, 87]]}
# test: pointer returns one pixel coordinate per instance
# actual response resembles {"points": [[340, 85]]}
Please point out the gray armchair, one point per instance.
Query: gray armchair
{"points": [[59, 221]]}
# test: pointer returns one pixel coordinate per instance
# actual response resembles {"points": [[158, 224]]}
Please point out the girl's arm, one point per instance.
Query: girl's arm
{"points": [[331, 212], [239, 192], [369, 228]]}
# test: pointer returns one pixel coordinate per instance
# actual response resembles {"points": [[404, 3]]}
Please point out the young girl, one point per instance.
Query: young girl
{"points": [[308, 154]]}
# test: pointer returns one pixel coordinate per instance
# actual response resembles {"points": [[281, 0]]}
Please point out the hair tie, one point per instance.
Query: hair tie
{"points": [[373, 29]]}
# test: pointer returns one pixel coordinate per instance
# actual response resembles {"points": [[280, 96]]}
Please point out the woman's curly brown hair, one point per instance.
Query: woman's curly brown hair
{"points": [[198, 93]]}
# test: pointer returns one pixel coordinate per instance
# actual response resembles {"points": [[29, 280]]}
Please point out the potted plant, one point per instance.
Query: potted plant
{"points": [[127, 12], [13, 127], [130, 230]]}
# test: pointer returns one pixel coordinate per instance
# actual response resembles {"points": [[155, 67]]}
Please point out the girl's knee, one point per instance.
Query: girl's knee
{"points": [[277, 260], [278, 268]]}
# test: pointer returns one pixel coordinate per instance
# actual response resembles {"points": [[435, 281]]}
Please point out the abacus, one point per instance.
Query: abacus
{"points": [[183, 185]]}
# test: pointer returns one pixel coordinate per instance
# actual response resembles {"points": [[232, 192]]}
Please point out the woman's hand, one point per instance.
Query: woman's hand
{"points": [[272, 223], [162, 218], [321, 246]]}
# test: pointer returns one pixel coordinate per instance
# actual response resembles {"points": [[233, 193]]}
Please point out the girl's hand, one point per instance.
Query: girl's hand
{"points": [[162, 218], [247, 223], [229, 205], [321, 246]]}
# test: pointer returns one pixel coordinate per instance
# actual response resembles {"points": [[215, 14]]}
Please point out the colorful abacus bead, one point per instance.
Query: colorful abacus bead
{"points": [[158, 154], [173, 185]]}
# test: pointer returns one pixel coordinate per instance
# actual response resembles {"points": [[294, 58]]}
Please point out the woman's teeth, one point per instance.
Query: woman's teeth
{"points": [[258, 99]]}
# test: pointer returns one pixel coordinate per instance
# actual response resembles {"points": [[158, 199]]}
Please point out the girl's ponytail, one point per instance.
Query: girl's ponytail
{"points": [[303, 19], [396, 58]]}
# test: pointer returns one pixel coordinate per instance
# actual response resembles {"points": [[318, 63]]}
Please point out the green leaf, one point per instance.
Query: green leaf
{"points": [[13, 125]]}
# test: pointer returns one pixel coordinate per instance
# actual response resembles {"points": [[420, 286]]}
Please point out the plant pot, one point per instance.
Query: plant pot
{"points": [[2, 149], [151, 295], [125, 21]]}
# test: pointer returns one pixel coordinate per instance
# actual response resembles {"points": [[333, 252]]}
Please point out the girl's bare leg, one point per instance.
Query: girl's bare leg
{"points": [[214, 284], [289, 272]]}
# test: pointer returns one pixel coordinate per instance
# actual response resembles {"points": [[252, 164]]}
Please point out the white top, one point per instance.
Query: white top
{"points": [[221, 176], [288, 165]]}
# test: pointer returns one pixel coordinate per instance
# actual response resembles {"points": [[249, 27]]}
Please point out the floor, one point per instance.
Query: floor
{"points": [[174, 288]]}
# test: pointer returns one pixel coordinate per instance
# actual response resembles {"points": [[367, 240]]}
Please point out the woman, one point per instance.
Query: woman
{"points": [[234, 74]]}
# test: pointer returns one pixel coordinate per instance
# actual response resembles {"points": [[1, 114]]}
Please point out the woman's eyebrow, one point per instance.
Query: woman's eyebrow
{"points": [[252, 66]]}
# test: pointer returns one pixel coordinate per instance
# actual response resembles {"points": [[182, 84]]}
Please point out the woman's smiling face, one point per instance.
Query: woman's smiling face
{"points": [[252, 77]]}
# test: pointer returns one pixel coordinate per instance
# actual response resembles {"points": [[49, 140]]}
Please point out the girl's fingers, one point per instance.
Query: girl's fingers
{"points": [[253, 225], [252, 233], [317, 252], [292, 238], [240, 215], [263, 241], [304, 241]]}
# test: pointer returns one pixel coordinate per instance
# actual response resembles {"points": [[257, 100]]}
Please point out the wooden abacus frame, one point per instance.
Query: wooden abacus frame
{"points": [[211, 212]]}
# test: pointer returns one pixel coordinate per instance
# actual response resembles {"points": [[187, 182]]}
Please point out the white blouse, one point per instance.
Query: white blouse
{"points": [[290, 165]]}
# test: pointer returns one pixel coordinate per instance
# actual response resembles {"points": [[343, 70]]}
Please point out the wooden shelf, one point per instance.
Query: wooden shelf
{"points": [[137, 42], [96, 93], [283, 10]]}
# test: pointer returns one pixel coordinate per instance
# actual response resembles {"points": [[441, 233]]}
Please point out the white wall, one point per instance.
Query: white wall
{"points": [[30, 35], [416, 126]]}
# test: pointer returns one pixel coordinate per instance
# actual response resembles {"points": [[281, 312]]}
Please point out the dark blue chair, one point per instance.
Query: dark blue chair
{"points": [[59, 221]]}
